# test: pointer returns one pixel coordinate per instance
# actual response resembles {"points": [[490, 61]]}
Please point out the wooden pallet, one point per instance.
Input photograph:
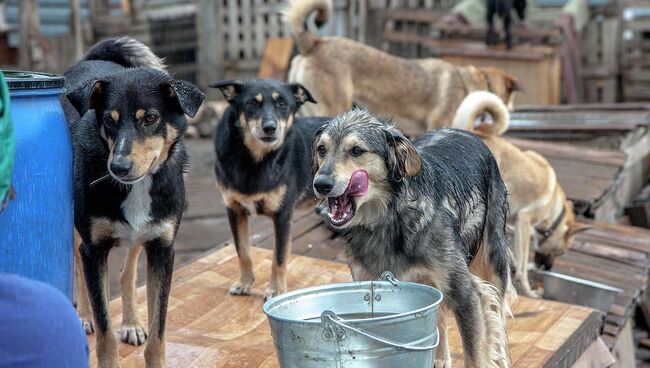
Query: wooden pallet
{"points": [[584, 133], [590, 177], [206, 327], [618, 256]]}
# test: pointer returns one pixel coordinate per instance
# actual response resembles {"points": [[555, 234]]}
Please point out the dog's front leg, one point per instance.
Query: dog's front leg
{"points": [[522, 251], [133, 332], [491, 36], [238, 220], [80, 292], [281, 253], [507, 26], [160, 266], [94, 259]]}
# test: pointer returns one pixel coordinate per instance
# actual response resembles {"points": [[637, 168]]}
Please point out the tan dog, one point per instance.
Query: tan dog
{"points": [[538, 205], [339, 72]]}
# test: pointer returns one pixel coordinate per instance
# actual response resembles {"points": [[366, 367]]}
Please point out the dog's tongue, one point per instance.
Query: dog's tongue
{"points": [[340, 206], [358, 185]]}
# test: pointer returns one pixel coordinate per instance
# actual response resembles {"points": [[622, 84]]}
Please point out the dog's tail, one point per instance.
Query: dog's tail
{"points": [[477, 103], [126, 51], [296, 14]]}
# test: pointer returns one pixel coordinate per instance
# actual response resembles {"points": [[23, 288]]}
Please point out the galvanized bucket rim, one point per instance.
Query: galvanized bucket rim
{"points": [[344, 285]]}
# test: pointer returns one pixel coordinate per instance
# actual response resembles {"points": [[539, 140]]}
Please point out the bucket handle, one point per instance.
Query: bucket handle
{"points": [[329, 316], [388, 276]]}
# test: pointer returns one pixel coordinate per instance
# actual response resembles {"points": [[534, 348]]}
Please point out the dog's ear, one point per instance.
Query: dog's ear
{"points": [[188, 96], [577, 227], [301, 94], [512, 84], [314, 150], [97, 98], [229, 88], [403, 159]]}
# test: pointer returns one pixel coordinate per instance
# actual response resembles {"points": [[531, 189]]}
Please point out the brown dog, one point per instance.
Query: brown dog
{"points": [[339, 72], [538, 205]]}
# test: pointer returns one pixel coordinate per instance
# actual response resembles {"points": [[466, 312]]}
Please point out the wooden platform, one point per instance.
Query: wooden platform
{"points": [[604, 145], [617, 256], [206, 327], [590, 177]]}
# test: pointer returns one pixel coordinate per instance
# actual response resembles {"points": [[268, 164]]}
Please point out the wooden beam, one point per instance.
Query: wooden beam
{"points": [[77, 33], [209, 24], [26, 9]]}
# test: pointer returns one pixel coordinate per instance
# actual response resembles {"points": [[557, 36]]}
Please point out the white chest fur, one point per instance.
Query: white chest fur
{"points": [[137, 210]]}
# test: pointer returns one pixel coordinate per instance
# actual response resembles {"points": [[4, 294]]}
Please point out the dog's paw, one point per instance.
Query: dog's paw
{"points": [[442, 363], [271, 292], [536, 294], [133, 334], [88, 326], [240, 288]]}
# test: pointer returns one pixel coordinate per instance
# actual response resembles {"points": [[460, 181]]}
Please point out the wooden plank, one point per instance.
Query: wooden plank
{"points": [[276, 58], [208, 327], [259, 35], [608, 157], [233, 29], [636, 258]]}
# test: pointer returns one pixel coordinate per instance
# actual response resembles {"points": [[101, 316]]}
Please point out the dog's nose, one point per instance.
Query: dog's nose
{"points": [[269, 126], [323, 184], [121, 166]]}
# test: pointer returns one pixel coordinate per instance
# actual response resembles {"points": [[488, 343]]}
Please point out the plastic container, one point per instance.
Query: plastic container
{"points": [[36, 229]]}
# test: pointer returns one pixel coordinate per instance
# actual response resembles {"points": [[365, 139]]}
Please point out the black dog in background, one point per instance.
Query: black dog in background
{"points": [[503, 8], [263, 166]]}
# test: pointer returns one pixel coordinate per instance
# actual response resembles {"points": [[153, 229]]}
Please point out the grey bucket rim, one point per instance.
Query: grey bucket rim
{"points": [[267, 305]]}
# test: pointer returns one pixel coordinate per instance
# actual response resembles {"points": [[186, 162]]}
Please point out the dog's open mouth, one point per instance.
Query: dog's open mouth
{"points": [[343, 207]]}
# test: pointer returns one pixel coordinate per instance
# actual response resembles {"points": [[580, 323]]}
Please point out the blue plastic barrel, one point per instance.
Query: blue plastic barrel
{"points": [[36, 229]]}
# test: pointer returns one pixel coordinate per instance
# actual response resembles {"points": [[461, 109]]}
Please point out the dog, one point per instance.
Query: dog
{"points": [[503, 8], [340, 72], [127, 119], [432, 211], [262, 166], [538, 205]]}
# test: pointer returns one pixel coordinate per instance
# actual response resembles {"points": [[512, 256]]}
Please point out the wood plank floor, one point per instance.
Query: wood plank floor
{"points": [[206, 327]]}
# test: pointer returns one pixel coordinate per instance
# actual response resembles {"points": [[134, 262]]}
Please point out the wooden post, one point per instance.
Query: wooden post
{"points": [[77, 32], [25, 50], [209, 25]]}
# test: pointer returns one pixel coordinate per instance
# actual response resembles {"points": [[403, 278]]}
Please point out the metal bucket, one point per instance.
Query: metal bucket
{"points": [[386, 323]]}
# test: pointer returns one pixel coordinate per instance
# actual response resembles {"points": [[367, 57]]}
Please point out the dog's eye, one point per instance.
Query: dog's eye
{"points": [[150, 118], [252, 103], [282, 103], [321, 150], [357, 151]]}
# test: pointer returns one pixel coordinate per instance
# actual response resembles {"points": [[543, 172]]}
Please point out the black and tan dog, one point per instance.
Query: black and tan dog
{"points": [[340, 72], [127, 126], [432, 211], [263, 167]]}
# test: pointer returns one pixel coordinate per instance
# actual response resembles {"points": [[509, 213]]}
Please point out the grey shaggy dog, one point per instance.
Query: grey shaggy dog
{"points": [[431, 211]]}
